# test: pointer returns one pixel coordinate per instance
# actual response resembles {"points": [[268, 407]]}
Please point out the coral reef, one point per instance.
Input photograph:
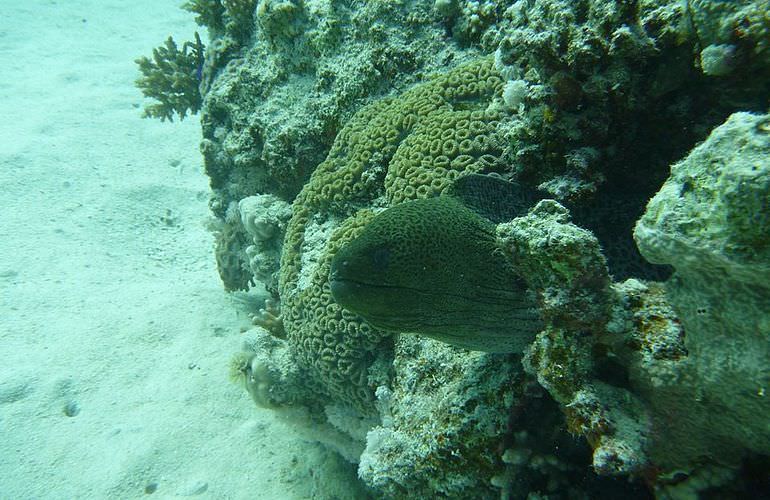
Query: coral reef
{"points": [[459, 424], [605, 79], [274, 106], [210, 13], [249, 242], [230, 253], [172, 77], [564, 265], [268, 371], [607, 95], [342, 110], [743, 28], [590, 87], [230, 18], [666, 381]]}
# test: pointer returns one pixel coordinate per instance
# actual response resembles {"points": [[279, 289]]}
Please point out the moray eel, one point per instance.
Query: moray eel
{"points": [[432, 267]]}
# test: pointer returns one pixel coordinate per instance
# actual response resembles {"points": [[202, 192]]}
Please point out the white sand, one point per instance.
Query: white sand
{"points": [[109, 299]]}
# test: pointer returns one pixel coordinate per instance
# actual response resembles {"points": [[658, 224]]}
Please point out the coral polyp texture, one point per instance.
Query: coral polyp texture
{"points": [[318, 116], [382, 154], [277, 98]]}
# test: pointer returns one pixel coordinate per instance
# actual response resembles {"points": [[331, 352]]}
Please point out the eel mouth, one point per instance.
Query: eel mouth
{"points": [[344, 290], [349, 291]]}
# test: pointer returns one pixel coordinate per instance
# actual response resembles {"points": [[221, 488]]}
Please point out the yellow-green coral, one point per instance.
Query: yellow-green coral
{"points": [[231, 16], [171, 77], [332, 344], [423, 139], [393, 150], [209, 13]]}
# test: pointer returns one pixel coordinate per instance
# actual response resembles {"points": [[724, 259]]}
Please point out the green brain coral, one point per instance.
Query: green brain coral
{"points": [[396, 149]]}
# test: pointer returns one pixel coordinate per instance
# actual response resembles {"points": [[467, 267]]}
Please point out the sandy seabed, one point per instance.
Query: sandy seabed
{"points": [[115, 332]]}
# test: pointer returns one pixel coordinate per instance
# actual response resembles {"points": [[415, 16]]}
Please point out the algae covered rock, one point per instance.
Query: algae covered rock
{"points": [[563, 262], [564, 265], [711, 222], [664, 380], [443, 415], [712, 214], [597, 82], [459, 424], [264, 218]]}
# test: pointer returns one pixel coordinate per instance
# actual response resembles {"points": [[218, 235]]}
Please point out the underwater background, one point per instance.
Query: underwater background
{"points": [[390, 249]]}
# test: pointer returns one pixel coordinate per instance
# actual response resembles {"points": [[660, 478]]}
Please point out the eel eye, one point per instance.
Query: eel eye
{"points": [[380, 258]]}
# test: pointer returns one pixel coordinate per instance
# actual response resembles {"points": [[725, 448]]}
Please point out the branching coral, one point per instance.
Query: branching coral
{"points": [[239, 17], [172, 77], [233, 17], [209, 13], [269, 318]]}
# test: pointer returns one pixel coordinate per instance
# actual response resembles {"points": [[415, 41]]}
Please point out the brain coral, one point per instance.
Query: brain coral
{"points": [[393, 150]]}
